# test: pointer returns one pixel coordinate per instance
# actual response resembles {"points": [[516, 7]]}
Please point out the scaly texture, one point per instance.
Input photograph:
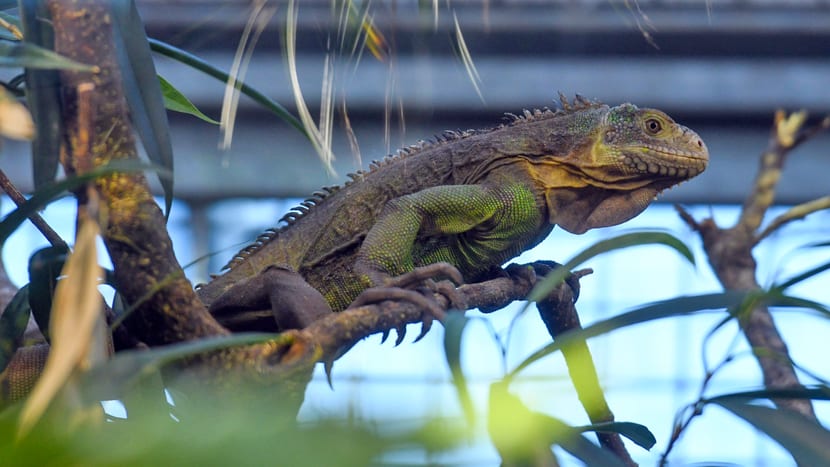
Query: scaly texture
{"points": [[474, 199]]}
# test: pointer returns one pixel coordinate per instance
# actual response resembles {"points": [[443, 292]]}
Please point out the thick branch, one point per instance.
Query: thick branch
{"points": [[133, 226], [559, 315], [730, 252], [330, 337]]}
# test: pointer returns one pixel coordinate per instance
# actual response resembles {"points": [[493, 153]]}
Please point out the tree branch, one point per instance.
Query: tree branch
{"points": [[787, 134], [41, 225], [730, 251], [793, 214], [559, 314], [133, 226], [330, 337]]}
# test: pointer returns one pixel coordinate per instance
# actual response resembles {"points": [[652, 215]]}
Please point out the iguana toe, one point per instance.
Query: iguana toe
{"points": [[422, 273]]}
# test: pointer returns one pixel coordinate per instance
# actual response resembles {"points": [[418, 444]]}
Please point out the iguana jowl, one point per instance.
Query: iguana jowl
{"points": [[473, 199]]}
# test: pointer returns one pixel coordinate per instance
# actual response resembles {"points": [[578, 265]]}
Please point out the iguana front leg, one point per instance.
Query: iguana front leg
{"points": [[471, 227]]}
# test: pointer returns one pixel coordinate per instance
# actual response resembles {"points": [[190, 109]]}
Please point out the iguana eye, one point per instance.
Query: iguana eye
{"points": [[653, 126]]}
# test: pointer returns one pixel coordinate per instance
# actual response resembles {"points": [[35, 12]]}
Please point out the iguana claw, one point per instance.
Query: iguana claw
{"points": [[379, 294], [423, 273], [401, 334], [426, 325], [421, 280], [328, 365]]}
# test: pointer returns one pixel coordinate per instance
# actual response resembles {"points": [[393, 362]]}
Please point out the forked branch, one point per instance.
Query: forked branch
{"points": [[730, 250]]}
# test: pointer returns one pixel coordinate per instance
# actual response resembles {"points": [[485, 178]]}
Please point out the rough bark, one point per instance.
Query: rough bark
{"points": [[132, 224]]}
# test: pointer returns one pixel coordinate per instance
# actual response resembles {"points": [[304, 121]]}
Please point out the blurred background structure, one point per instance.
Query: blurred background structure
{"points": [[720, 67]]}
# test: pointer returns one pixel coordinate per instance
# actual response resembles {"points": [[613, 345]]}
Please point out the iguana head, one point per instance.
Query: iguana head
{"points": [[626, 157], [634, 147]]}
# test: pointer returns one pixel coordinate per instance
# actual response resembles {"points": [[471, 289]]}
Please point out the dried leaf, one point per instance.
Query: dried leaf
{"points": [[467, 59], [320, 137], [15, 119], [76, 312], [257, 21]]}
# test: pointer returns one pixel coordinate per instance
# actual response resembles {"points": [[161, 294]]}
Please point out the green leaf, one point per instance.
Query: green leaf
{"points": [[210, 70], [178, 102], [807, 441], [454, 325], [52, 191], [521, 435], [679, 306], [143, 91], [674, 307], [637, 433], [28, 55], [118, 375], [802, 277], [797, 302], [43, 95], [817, 392], [45, 266], [586, 451], [550, 282], [12, 325]]}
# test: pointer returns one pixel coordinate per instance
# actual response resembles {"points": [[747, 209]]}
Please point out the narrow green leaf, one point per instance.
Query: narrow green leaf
{"points": [[143, 91], [43, 95], [52, 191], [798, 302], [45, 266], [521, 434], [12, 325], [454, 326], [818, 392], [807, 441], [176, 101], [210, 70], [679, 306], [803, 276], [28, 55], [119, 374], [543, 288], [637, 433], [588, 452], [674, 307]]}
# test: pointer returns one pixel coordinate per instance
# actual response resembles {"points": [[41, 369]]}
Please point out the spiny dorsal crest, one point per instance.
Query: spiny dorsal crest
{"points": [[316, 198], [289, 218], [580, 102]]}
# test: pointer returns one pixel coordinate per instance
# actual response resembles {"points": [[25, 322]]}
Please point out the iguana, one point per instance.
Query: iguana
{"points": [[473, 199]]}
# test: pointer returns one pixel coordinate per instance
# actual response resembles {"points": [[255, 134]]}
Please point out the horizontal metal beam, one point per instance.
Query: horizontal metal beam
{"points": [[691, 86]]}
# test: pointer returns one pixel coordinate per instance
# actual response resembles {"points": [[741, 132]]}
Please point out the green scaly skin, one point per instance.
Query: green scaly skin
{"points": [[474, 199]]}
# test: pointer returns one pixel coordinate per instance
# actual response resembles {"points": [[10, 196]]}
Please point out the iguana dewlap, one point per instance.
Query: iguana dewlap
{"points": [[474, 199]]}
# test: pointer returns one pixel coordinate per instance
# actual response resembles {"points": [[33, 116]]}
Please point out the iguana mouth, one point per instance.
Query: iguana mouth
{"points": [[679, 164]]}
